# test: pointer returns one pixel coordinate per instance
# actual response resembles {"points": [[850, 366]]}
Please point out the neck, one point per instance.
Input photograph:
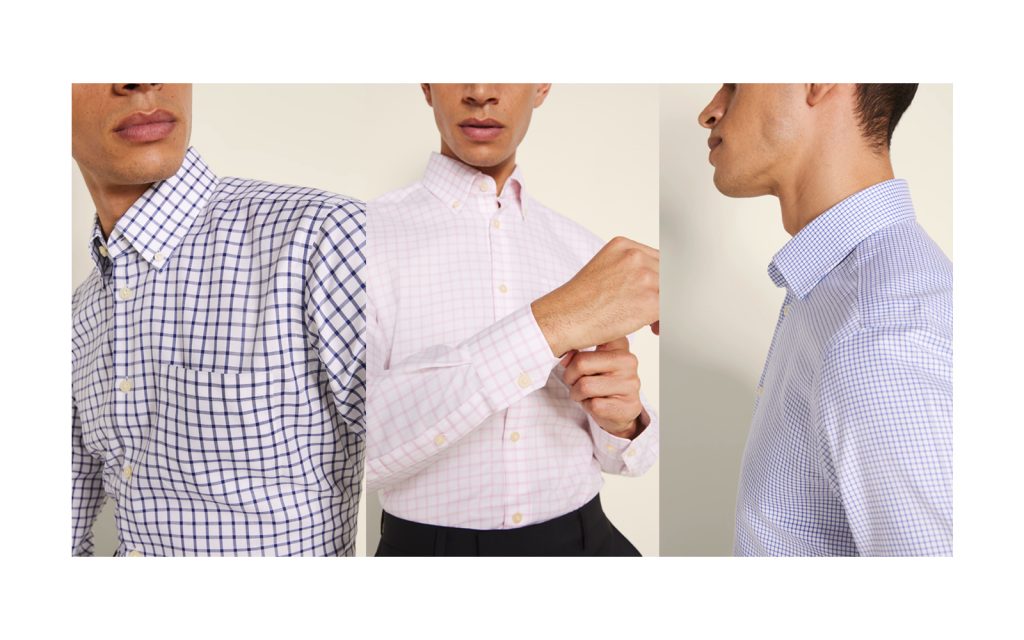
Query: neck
{"points": [[500, 172], [826, 182], [112, 201]]}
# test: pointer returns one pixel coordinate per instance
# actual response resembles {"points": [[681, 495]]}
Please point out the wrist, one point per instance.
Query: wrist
{"points": [[551, 324]]}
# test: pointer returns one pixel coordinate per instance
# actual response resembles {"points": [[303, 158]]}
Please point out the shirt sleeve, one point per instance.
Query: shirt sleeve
{"points": [[419, 407], [887, 435], [335, 300], [625, 457], [86, 490]]}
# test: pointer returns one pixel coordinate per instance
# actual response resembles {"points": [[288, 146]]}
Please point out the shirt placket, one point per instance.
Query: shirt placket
{"points": [[787, 304], [129, 388]]}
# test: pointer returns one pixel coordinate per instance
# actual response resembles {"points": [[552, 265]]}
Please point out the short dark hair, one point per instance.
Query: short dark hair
{"points": [[879, 107]]}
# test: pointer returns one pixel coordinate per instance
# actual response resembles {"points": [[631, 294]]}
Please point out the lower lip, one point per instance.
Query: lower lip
{"points": [[150, 132], [481, 134], [711, 154]]}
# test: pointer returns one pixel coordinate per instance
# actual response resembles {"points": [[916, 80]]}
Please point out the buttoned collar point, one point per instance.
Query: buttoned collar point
{"points": [[820, 246], [156, 223], [455, 183]]}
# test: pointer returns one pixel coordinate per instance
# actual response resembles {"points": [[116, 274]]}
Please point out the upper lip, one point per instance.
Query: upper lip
{"points": [[714, 141], [140, 118], [476, 122]]}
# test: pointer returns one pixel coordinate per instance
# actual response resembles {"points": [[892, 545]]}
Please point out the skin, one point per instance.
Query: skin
{"points": [[511, 105], [613, 295], [799, 142], [118, 171]]}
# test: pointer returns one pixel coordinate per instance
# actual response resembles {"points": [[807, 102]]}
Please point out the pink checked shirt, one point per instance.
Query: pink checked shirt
{"points": [[468, 421]]}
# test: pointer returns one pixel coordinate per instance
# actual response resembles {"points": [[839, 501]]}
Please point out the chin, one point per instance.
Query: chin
{"points": [[733, 186], [152, 164], [482, 156]]}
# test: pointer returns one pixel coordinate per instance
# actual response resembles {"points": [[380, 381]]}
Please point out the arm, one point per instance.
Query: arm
{"points": [[623, 426], [86, 490], [421, 406], [335, 302], [887, 433]]}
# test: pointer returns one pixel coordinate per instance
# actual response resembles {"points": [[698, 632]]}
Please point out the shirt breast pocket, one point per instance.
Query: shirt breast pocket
{"points": [[219, 437]]}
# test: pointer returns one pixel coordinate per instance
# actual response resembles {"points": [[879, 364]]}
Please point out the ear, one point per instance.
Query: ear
{"points": [[426, 93], [541, 95], [816, 92]]}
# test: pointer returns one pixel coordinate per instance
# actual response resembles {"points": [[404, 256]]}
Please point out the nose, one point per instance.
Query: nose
{"points": [[478, 95], [130, 88], [715, 111]]}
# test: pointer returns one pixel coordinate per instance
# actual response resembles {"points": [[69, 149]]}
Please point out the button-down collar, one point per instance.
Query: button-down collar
{"points": [[454, 183], [820, 246], [155, 224]]}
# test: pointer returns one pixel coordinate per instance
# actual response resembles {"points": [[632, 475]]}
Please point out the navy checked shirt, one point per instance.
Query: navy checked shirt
{"points": [[851, 447], [218, 371]]}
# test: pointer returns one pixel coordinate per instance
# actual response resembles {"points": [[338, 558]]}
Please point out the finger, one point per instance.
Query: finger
{"points": [[593, 363], [633, 244], [615, 345], [568, 357], [605, 387]]}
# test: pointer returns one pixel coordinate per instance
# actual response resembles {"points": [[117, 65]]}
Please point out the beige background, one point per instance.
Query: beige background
{"points": [[719, 307], [591, 154]]}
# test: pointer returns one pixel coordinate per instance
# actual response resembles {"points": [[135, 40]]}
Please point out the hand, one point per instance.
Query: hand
{"points": [[613, 295], [606, 383]]}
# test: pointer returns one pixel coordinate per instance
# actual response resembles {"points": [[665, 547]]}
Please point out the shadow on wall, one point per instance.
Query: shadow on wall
{"points": [[712, 410]]}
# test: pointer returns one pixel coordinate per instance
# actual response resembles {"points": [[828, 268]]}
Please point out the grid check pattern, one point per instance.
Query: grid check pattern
{"points": [[469, 424], [851, 447], [218, 371]]}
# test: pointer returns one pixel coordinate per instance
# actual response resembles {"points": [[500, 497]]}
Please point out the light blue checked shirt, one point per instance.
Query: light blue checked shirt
{"points": [[218, 371], [851, 447]]}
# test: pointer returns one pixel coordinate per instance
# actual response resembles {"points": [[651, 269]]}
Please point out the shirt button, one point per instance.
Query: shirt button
{"points": [[523, 380], [482, 185], [135, 553], [439, 440], [125, 293], [127, 472], [785, 310], [104, 252], [126, 385], [609, 448], [496, 223], [517, 518], [514, 437], [502, 288], [631, 453], [456, 204], [760, 391], [159, 258]]}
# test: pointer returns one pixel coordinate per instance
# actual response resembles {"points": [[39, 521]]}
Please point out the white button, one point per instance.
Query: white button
{"points": [[517, 518], [126, 385], [502, 288], [610, 448], [496, 223], [523, 380], [760, 391], [631, 453], [482, 185], [125, 293], [104, 252], [159, 258], [785, 310], [439, 440], [514, 437], [127, 472], [455, 204], [135, 553]]}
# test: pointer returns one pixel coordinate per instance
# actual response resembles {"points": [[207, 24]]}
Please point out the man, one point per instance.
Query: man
{"points": [[488, 423], [217, 350], [850, 451]]}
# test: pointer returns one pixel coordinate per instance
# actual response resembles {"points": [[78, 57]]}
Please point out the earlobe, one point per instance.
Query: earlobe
{"points": [[816, 92], [542, 94]]}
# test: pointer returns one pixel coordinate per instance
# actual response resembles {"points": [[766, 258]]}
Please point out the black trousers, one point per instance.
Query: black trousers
{"points": [[583, 532]]}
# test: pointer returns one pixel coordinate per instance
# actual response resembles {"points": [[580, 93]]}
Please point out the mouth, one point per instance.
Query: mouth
{"points": [[146, 127], [481, 130], [713, 143]]}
